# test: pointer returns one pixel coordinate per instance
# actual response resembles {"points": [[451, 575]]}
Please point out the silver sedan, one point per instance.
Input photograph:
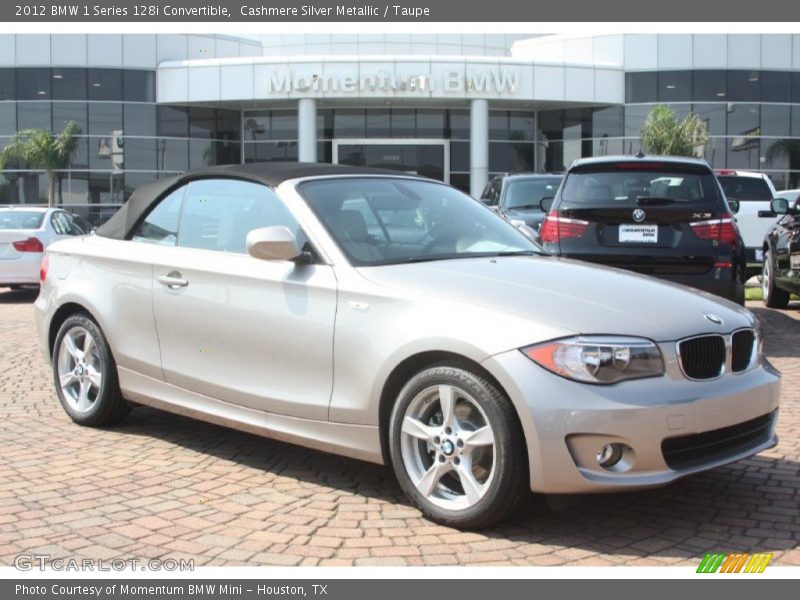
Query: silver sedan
{"points": [[393, 319], [25, 232]]}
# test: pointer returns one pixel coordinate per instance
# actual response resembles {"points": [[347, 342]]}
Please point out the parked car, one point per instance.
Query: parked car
{"points": [[753, 191], [659, 216], [780, 275], [394, 319], [25, 232], [518, 196]]}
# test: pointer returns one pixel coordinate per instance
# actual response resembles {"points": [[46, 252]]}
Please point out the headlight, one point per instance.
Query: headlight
{"points": [[598, 359]]}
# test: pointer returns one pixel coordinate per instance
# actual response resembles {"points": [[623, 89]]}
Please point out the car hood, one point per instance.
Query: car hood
{"points": [[569, 294]]}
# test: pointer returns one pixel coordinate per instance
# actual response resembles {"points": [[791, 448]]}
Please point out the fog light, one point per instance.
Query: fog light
{"points": [[610, 455]]}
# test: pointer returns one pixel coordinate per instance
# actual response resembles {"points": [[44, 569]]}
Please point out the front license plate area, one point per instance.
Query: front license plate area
{"points": [[638, 234]]}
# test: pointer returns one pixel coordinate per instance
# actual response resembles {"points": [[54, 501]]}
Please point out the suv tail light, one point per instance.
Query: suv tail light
{"points": [[722, 229], [45, 266], [30, 245], [555, 228], [725, 172]]}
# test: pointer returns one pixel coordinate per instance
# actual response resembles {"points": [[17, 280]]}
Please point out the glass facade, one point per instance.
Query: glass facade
{"points": [[271, 135], [753, 120], [125, 139]]}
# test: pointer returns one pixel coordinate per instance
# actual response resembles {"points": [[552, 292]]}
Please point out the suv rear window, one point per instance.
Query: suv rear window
{"points": [[745, 188], [623, 187]]}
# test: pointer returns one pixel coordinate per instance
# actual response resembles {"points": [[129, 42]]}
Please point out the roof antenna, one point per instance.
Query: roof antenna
{"points": [[640, 154]]}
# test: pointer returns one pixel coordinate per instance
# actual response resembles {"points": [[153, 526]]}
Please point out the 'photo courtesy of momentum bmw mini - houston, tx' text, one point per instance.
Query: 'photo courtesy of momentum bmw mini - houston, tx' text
{"points": [[276, 296]]}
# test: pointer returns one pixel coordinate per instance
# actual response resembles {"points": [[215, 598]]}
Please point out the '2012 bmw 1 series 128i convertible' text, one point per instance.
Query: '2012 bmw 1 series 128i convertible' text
{"points": [[394, 319]]}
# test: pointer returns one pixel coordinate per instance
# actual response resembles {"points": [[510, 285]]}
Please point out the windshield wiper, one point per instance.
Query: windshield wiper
{"points": [[524, 206], [651, 200], [418, 259], [517, 253]]}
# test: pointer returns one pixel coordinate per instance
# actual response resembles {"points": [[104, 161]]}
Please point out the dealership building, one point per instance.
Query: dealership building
{"points": [[458, 108]]}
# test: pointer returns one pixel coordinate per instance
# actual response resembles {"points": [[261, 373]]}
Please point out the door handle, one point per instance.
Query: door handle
{"points": [[172, 280]]}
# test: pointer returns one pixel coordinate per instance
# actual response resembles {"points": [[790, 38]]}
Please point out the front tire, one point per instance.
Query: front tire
{"points": [[458, 449], [85, 374], [773, 296]]}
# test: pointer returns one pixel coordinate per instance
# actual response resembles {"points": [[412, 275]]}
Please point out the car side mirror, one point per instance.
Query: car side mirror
{"points": [[779, 206], [734, 206], [273, 243], [546, 203]]}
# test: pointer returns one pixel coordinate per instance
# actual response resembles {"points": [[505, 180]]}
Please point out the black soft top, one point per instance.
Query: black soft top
{"points": [[269, 173]]}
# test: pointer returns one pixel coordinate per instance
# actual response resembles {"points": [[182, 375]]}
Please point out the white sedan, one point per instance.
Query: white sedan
{"points": [[25, 232]]}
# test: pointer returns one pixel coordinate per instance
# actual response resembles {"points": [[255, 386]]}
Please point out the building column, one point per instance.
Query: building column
{"points": [[307, 130], [478, 146]]}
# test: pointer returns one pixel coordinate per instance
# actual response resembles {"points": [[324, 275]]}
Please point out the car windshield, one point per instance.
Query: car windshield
{"points": [[745, 189], [627, 187], [381, 221], [20, 219], [528, 192]]}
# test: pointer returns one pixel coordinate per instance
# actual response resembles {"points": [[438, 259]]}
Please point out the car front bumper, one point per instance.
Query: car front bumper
{"points": [[566, 423]]}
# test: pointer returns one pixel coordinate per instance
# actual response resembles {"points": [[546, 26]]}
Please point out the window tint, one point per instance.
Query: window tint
{"points": [[19, 219], [69, 84], [59, 224], [492, 191], [745, 188], [138, 86], [105, 84], [160, 226], [219, 213], [623, 187], [64, 224], [527, 193]]}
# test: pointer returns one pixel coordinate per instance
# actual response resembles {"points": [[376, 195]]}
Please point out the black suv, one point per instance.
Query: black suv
{"points": [[518, 196], [780, 274], [662, 216]]}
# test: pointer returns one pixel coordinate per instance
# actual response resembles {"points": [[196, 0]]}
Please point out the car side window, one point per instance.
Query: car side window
{"points": [[487, 191], [73, 228], [219, 213], [493, 191], [160, 226], [59, 223]]}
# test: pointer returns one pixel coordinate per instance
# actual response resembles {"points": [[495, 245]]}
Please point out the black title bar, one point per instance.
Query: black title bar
{"points": [[437, 11]]}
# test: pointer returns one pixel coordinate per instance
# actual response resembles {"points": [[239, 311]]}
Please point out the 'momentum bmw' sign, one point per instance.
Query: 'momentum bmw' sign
{"points": [[348, 77], [496, 80]]}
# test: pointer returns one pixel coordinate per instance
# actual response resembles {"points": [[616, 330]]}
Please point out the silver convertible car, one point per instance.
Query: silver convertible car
{"points": [[393, 319]]}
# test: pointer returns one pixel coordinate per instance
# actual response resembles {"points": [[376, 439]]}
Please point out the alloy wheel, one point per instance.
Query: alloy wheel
{"points": [[80, 373], [448, 447], [765, 275]]}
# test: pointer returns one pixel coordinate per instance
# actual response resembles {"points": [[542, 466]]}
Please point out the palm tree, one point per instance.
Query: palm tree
{"points": [[40, 149], [663, 134]]}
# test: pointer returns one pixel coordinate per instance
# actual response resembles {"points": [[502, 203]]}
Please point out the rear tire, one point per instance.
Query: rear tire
{"points": [[458, 449], [85, 374], [739, 295], [773, 296]]}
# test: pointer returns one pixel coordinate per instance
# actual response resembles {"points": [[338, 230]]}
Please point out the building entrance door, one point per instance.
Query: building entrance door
{"points": [[430, 158]]}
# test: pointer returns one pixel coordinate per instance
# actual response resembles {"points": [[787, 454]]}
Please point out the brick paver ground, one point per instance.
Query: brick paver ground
{"points": [[164, 486]]}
